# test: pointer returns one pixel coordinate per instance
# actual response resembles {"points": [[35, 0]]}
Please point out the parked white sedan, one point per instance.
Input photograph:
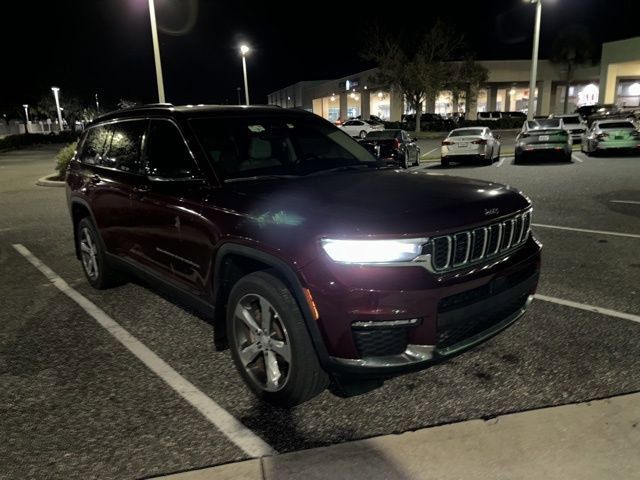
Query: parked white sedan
{"points": [[471, 143], [360, 128]]}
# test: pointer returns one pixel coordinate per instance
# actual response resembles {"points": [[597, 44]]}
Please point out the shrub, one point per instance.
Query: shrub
{"points": [[63, 157]]}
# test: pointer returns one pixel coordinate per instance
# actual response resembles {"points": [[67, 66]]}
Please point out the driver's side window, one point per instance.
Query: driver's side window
{"points": [[167, 155]]}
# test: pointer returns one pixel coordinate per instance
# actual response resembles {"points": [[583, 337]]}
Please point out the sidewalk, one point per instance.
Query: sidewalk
{"points": [[591, 441]]}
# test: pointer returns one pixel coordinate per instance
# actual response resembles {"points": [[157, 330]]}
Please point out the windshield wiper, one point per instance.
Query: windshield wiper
{"points": [[259, 177]]}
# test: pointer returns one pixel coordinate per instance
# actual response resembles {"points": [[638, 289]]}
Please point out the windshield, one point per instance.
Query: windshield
{"points": [[605, 126], [468, 132], [571, 119], [262, 146], [548, 123], [383, 134]]}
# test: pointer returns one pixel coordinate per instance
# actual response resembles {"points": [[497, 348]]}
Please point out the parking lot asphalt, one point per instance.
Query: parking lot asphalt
{"points": [[74, 403]]}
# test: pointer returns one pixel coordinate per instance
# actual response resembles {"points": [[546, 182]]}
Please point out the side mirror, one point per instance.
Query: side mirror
{"points": [[497, 136]]}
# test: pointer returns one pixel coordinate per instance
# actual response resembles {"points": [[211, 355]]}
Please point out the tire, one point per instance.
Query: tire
{"points": [[444, 162], [417, 164], [362, 134], [300, 378], [404, 162], [487, 161], [517, 159], [99, 273], [568, 158]]}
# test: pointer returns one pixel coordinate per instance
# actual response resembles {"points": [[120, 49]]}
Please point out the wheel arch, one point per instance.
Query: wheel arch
{"points": [[233, 261]]}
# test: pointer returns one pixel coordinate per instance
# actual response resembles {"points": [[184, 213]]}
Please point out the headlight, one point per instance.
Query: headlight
{"points": [[373, 251]]}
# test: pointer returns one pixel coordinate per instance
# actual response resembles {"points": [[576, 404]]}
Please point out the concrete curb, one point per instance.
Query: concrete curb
{"points": [[591, 440], [47, 182]]}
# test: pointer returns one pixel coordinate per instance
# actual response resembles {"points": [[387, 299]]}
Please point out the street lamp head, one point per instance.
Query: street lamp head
{"points": [[55, 89], [244, 49], [25, 106]]}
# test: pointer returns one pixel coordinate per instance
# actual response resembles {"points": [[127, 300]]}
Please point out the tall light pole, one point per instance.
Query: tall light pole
{"points": [[244, 50], [534, 58], [26, 116], [56, 91], [156, 51]]}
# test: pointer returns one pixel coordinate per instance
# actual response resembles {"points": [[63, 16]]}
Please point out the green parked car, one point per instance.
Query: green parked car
{"points": [[610, 135], [543, 138]]}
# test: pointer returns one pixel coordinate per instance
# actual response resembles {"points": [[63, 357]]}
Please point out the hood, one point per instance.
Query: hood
{"points": [[380, 202]]}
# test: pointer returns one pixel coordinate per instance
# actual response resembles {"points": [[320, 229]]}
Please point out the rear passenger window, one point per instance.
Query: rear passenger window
{"points": [[167, 154], [94, 146], [124, 151]]}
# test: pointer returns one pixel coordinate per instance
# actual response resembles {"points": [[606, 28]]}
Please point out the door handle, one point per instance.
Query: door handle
{"points": [[95, 179]]}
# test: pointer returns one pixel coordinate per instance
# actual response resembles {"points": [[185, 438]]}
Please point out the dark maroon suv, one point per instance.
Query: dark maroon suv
{"points": [[316, 262]]}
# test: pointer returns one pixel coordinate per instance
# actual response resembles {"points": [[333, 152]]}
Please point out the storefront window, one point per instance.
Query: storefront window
{"points": [[380, 105], [482, 100], [629, 93], [353, 105], [579, 95], [327, 107]]}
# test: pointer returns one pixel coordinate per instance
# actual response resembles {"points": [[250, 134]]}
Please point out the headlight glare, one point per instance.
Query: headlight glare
{"points": [[373, 251]]}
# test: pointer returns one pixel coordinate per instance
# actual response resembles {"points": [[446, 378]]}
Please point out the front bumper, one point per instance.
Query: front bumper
{"points": [[349, 295]]}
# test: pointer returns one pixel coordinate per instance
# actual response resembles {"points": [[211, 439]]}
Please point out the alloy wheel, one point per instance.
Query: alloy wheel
{"points": [[89, 253], [262, 343]]}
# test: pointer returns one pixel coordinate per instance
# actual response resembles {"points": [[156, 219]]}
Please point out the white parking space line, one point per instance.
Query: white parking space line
{"points": [[584, 230], [576, 158], [499, 164], [235, 431], [589, 308], [430, 151], [631, 202]]}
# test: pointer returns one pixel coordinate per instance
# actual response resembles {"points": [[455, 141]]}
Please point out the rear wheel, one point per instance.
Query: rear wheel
{"points": [[487, 160], [444, 162], [417, 164], [99, 273], [269, 342]]}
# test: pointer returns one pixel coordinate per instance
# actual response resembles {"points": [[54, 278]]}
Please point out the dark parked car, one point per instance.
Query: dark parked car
{"points": [[428, 121], [545, 137], [314, 261], [393, 146]]}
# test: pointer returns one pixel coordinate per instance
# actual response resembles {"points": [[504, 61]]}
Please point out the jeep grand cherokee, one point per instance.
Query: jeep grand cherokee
{"points": [[315, 261]]}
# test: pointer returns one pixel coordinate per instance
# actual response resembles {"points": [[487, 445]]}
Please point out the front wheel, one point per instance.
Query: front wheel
{"points": [[269, 342], [99, 273], [363, 134]]}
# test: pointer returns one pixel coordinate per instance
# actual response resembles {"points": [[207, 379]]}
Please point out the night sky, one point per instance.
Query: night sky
{"points": [[104, 46]]}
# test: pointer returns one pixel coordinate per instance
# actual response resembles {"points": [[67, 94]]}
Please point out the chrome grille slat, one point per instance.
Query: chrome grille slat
{"points": [[479, 244]]}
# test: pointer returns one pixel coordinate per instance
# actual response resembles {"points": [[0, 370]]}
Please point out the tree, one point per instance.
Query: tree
{"points": [[466, 77], [417, 68], [72, 107], [571, 48]]}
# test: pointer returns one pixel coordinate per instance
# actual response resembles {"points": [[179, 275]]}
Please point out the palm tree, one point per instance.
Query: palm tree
{"points": [[571, 48]]}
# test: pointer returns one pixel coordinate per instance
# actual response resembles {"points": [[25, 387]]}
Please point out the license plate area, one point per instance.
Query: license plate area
{"points": [[462, 145], [543, 138]]}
